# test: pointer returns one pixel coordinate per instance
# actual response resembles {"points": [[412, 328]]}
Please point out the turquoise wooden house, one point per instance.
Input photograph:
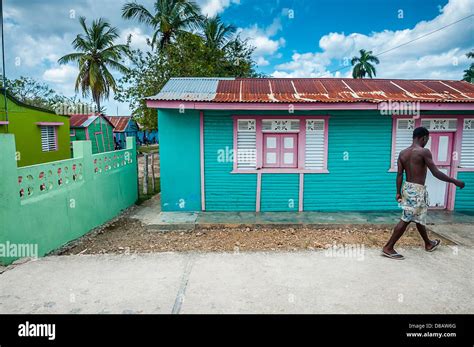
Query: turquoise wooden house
{"points": [[123, 126], [94, 127], [307, 144]]}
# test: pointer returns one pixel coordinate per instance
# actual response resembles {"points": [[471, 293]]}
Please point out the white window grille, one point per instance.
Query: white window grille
{"points": [[48, 139]]}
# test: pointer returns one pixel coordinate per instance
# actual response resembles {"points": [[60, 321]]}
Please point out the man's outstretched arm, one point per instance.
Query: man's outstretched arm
{"points": [[437, 173], [399, 179]]}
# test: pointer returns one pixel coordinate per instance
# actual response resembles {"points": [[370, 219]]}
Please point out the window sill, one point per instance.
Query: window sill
{"points": [[465, 169], [279, 171]]}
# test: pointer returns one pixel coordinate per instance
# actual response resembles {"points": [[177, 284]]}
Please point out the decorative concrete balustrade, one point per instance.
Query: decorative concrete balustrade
{"points": [[49, 204]]}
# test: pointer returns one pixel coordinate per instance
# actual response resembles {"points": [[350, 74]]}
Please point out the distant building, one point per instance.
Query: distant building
{"points": [[123, 126], [40, 135], [94, 127]]}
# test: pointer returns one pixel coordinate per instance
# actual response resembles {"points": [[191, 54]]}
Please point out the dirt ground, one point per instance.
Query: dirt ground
{"points": [[129, 236]]}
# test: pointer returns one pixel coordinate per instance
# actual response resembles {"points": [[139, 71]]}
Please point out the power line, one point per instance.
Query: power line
{"points": [[406, 43]]}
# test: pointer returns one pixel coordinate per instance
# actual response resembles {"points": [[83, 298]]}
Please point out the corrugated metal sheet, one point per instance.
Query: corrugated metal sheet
{"points": [[294, 90], [120, 123], [78, 120], [188, 89]]}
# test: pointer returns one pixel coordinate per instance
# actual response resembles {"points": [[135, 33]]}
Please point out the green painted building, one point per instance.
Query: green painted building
{"points": [[40, 135], [308, 144], [94, 127]]}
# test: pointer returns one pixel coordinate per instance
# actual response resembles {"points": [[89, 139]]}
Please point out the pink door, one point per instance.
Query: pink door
{"points": [[280, 150], [441, 147]]}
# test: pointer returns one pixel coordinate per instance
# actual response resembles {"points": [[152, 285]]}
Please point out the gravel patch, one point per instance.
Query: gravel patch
{"points": [[125, 235]]}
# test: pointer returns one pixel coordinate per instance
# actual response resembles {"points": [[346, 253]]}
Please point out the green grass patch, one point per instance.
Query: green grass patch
{"points": [[148, 149]]}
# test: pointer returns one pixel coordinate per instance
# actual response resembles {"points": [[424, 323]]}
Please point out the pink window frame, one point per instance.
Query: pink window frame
{"points": [[280, 149], [301, 144]]}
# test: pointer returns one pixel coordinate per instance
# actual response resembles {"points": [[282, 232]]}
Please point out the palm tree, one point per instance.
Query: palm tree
{"points": [[362, 65], [216, 34], [170, 18], [469, 73], [96, 53]]}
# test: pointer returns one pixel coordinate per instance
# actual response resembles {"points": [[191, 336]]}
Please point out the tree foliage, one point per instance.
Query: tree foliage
{"points": [[363, 65], [169, 18], [469, 73], [187, 56], [96, 54], [34, 93]]}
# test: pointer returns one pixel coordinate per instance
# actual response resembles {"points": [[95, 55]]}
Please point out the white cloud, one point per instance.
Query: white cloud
{"points": [[61, 74], [440, 55], [263, 42], [213, 7]]}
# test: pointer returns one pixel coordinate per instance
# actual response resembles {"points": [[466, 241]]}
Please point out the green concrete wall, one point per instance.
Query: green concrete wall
{"points": [[22, 121], [50, 204], [180, 160]]}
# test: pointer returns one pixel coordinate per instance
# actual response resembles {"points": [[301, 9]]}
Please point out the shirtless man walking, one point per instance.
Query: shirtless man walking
{"points": [[414, 161]]}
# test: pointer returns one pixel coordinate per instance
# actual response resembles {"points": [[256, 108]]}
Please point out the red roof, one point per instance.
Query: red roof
{"points": [[119, 122], [342, 90], [77, 120], [304, 90], [84, 120]]}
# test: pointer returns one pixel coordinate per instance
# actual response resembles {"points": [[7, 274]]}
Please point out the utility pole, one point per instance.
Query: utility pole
{"points": [[3, 65]]}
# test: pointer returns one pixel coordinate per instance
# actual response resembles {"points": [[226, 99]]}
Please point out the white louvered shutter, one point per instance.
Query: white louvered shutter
{"points": [[404, 136], [467, 144], [314, 152], [246, 144], [48, 139]]}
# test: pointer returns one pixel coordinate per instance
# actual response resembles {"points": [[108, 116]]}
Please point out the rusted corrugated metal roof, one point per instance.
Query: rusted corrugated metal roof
{"points": [[303, 90], [120, 123], [84, 120], [78, 120]]}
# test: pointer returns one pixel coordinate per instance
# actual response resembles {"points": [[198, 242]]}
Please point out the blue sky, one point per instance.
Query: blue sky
{"points": [[293, 38]]}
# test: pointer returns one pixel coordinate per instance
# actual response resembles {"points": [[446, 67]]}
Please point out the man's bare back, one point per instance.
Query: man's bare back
{"points": [[412, 160], [415, 160]]}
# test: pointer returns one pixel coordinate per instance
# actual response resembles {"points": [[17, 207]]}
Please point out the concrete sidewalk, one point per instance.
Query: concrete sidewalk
{"points": [[300, 282], [150, 214]]}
